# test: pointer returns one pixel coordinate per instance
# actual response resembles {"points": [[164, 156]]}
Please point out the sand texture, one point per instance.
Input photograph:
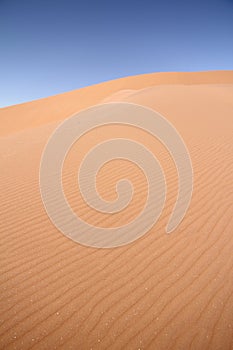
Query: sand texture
{"points": [[161, 292]]}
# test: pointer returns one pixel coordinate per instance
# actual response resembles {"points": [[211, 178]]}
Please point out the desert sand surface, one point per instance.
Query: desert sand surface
{"points": [[161, 292]]}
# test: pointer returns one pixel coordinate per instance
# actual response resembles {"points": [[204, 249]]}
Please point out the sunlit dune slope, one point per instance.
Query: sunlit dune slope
{"points": [[161, 292]]}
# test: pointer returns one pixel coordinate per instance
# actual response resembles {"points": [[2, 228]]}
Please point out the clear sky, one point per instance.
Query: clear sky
{"points": [[49, 47]]}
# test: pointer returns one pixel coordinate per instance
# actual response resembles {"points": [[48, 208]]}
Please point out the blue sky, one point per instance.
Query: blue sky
{"points": [[49, 47]]}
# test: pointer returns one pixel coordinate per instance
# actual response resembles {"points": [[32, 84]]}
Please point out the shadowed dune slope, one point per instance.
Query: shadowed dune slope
{"points": [[161, 292]]}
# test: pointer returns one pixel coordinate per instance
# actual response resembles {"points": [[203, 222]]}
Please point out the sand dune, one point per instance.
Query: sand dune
{"points": [[160, 292]]}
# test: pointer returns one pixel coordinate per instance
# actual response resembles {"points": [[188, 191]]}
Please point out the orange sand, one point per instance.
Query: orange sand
{"points": [[161, 292]]}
